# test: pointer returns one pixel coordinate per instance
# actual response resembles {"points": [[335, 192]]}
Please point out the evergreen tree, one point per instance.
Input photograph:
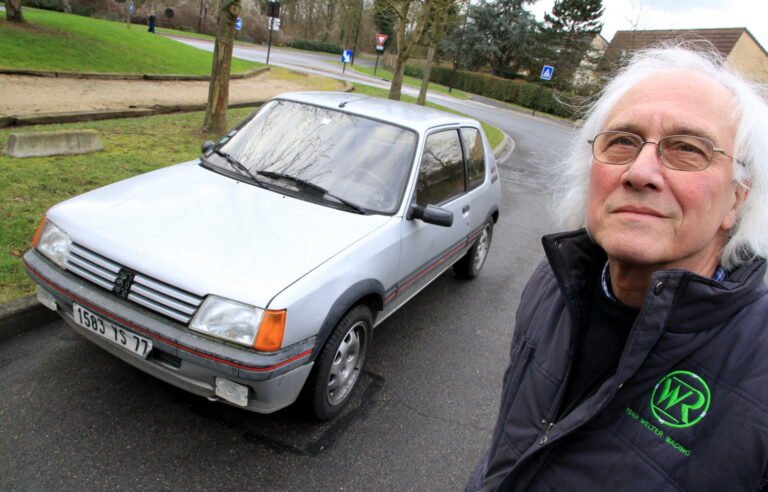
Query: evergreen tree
{"points": [[384, 18], [568, 31], [507, 31]]}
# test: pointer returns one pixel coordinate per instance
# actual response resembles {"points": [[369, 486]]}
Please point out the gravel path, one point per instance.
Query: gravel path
{"points": [[22, 95]]}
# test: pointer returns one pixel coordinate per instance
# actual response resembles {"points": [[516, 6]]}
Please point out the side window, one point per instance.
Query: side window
{"points": [[441, 175], [475, 156]]}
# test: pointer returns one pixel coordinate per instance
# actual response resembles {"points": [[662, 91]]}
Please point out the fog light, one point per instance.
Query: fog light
{"points": [[232, 392], [46, 299]]}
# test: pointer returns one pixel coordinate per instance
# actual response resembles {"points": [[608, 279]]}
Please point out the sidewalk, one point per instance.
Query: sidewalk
{"points": [[28, 95]]}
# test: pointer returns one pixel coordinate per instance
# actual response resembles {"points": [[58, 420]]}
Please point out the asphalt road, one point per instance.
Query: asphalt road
{"points": [[74, 418]]}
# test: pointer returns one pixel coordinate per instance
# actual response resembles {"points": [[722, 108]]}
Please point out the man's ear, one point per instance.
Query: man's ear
{"points": [[740, 196]]}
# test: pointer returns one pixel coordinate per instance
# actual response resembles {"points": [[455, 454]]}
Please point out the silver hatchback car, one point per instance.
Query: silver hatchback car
{"points": [[255, 274]]}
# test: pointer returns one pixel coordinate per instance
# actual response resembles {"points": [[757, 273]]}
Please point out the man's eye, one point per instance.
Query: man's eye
{"points": [[684, 147], [622, 141]]}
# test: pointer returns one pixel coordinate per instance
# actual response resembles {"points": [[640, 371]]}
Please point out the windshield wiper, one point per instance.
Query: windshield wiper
{"points": [[238, 166], [306, 185]]}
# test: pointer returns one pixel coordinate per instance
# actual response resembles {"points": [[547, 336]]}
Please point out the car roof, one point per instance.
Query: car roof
{"points": [[419, 118]]}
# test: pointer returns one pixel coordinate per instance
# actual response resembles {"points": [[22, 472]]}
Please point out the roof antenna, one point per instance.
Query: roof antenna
{"points": [[343, 104]]}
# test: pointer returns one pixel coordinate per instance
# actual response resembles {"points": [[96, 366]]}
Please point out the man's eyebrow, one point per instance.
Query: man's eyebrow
{"points": [[669, 130], [624, 127]]}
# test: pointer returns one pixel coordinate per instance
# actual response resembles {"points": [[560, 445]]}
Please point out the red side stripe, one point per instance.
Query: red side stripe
{"points": [[431, 267]]}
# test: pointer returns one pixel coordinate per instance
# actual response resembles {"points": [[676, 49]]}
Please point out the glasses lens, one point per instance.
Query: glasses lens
{"points": [[616, 147], [686, 153]]}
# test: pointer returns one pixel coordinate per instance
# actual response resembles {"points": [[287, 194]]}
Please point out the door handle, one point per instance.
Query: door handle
{"points": [[465, 209]]}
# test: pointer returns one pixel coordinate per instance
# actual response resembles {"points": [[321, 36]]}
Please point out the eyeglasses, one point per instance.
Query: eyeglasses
{"points": [[678, 152]]}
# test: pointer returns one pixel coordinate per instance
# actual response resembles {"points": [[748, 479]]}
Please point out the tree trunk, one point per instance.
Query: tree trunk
{"points": [[396, 87], [218, 90], [403, 51], [13, 11], [422, 100]]}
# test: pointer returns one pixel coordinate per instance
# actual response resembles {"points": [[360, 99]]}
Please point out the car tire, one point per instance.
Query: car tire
{"points": [[339, 365], [469, 266]]}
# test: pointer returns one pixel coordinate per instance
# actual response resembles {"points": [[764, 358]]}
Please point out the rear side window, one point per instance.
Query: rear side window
{"points": [[475, 156], [441, 176]]}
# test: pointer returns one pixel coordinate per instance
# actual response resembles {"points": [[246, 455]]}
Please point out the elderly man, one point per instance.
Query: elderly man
{"points": [[639, 360]]}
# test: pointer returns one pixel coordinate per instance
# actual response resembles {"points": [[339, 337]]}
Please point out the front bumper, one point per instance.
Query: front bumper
{"points": [[179, 356]]}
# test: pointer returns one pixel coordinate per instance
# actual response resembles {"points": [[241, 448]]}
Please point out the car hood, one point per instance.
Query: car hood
{"points": [[210, 234]]}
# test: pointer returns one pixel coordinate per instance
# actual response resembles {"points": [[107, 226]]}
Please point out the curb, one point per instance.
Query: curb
{"points": [[125, 76], [22, 314], [505, 148]]}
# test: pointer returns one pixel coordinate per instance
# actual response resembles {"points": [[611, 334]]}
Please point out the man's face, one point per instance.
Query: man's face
{"points": [[645, 214]]}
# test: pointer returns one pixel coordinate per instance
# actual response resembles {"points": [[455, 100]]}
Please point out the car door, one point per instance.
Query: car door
{"points": [[481, 174], [428, 249]]}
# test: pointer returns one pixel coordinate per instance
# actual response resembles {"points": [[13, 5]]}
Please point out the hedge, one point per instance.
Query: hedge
{"points": [[309, 45], [412, 71], [527, 94]]}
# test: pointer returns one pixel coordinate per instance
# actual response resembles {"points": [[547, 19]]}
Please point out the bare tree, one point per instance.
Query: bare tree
{"points": [[440, 13], [218, 90], [411, 24], [13, 11]]}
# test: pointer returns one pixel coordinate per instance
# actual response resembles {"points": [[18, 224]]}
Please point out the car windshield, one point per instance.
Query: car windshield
{"points": [[358, 160]]}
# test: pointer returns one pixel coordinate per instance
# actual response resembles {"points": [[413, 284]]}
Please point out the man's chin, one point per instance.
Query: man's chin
{"points": [[631, 249]]}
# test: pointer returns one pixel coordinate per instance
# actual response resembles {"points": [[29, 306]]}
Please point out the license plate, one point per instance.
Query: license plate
{"points": [[96, 324]]}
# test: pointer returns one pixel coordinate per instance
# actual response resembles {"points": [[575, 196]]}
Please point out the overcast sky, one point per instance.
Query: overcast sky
{"points": [[621, 15]]}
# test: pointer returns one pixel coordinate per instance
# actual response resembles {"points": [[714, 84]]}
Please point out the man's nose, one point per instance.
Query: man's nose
{"points": [[647, 170]]}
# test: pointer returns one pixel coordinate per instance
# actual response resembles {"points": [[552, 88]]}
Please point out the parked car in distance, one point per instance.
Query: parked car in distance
{"points": [[255, 274]]}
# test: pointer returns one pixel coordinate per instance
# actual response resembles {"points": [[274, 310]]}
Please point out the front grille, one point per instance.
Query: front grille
{"points": [[153, 294]]}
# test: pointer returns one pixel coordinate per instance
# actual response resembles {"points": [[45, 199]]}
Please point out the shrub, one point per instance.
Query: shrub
{"points": [[54, 5], [535, 96], [412, 71], [308, 44]]}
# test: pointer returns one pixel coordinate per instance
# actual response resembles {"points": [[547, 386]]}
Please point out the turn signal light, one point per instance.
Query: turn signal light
{"points": [[270, 337], [40, 227]]}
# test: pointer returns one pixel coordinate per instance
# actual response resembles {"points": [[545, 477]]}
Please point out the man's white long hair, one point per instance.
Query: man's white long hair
{"points": [[749, 238]]}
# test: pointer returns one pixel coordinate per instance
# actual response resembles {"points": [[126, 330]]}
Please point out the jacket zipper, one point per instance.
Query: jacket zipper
{"points": [[545, 437]]}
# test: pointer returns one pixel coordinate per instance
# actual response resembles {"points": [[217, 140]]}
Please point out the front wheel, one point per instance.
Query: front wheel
{"points": [[340, 364], [471, 263]]}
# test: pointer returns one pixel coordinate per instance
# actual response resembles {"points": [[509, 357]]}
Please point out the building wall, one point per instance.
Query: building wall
{"points": [[585, 73], [747, 57]]}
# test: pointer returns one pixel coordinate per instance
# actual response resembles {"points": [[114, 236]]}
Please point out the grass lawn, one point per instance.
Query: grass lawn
{"points": [[494, 134], [412, 81], [57, 41]]}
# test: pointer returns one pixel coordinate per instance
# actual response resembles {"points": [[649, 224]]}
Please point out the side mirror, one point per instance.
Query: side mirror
{"points": [[207, 145], [431, 215]]}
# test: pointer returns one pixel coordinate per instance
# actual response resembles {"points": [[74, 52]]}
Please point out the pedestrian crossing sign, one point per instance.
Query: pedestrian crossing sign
{"points": [[546, 72]]}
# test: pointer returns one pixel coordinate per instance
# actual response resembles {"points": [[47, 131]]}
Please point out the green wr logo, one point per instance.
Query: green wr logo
{"points": [[680, 399]]}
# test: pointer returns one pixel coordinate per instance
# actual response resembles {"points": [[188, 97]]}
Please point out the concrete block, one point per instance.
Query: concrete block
{"points": [[53, 143]]}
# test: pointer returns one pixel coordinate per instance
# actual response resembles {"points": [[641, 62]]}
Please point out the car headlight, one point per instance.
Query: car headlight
{"points": [[52, 242], [240, 323]]}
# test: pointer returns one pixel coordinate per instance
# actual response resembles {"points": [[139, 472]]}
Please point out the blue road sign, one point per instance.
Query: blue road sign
{"points": [[239, 24], [131, 7], [346, 57], [547, 71]]}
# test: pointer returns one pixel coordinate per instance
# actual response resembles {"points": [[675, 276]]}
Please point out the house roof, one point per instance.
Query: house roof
{"points": [[723, 39]]}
